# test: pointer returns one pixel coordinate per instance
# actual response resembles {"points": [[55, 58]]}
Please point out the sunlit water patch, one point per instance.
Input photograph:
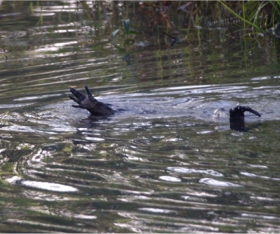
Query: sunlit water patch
{"points": [[41, 185], [166, 161]]}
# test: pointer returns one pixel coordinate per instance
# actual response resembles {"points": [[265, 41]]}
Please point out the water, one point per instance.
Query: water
{"points": [[164, 162]]}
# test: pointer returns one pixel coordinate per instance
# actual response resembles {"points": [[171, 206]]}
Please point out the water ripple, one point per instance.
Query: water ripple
{"points": [[218, 183], [169, 179], [185, 170], [142, 169], [41, 185]]}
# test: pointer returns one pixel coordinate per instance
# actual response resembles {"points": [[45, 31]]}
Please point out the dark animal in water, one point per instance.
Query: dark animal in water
{"points": [[88, 102], [99, 109], [237, 117]]}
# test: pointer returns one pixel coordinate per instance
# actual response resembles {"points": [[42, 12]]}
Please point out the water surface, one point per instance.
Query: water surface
{"points": [[164, 162]]}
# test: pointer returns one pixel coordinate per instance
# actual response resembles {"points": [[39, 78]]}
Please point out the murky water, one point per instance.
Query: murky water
{"points": [[164, 162]]}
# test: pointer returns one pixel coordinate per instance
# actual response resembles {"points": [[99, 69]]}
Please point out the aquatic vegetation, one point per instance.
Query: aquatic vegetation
{"points": [[256, 16], [123, 36]]}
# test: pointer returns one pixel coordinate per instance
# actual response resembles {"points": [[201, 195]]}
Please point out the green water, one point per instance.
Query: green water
{"points": [[163, 163]]}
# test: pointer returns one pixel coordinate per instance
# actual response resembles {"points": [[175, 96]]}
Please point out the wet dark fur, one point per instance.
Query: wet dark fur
{"points": [[88, 102], [237, 117]]}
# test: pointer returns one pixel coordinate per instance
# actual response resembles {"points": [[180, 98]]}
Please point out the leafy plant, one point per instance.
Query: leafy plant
{"points": [[243, 18], [124, 36], [255, 15]]}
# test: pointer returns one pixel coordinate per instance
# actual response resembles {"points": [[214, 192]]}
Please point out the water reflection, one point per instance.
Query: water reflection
{"points": [[41, 185], [213, 182], [187, 170], [167, 160]]}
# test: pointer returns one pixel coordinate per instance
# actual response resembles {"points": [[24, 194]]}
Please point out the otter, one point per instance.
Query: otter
{"points": [[99, 109], [88, 102], [237, 117]]}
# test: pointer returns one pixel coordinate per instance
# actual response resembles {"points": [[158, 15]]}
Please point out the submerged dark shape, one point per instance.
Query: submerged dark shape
{"points": [[174, 39], [88, 102], [237, 117]]}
